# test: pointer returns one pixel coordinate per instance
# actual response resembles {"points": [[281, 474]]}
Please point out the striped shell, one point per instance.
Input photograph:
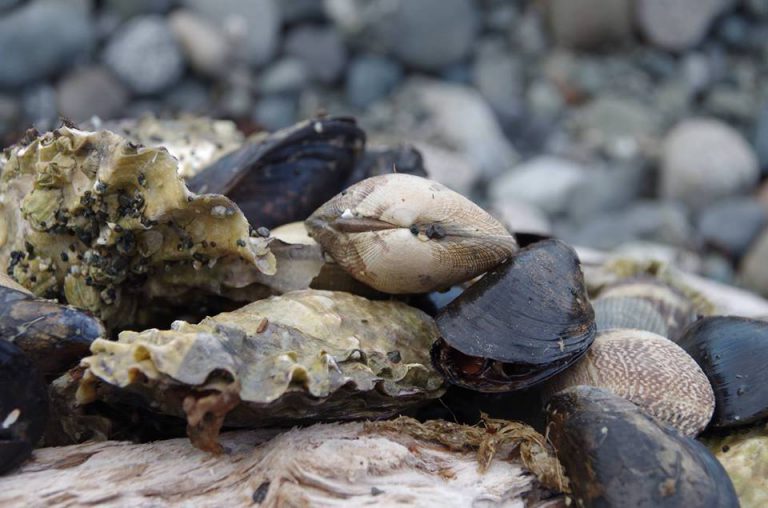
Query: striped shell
{"points": [[401, 233], [649, 370], [628, 312]]}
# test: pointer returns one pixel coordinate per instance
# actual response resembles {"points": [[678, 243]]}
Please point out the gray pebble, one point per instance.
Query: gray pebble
{"points": [[284, 75], [204, 44], [39, 107], [591, 24], [320, 49], [189, 96], [145, 55], [41, 38], [89, 92], [732, 225], [678, 25], [130, 8], [370, 78], [276, 111]]}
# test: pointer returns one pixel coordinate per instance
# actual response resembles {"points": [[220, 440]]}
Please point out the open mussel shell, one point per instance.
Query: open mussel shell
{"points": [[649, 370], [54, 337], [616, 455], [676, 308], [381, 160], [523, 322], [303, 356], [405, 234], [733, 353], [23, 406], [285, 176], [628, 312]]}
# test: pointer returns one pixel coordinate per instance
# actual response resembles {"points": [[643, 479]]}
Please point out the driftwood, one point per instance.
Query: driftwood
{"points": [[323, 465]]}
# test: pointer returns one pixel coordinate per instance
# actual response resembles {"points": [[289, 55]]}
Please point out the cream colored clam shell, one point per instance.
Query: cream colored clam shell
{"points": [[401, 233], [649, 370]]}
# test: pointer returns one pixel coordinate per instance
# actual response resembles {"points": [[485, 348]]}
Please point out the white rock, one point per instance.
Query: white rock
{"points": [[522, 217], [704, 160], [204, 45], [449, 168], [545, 182], [678, 24]]}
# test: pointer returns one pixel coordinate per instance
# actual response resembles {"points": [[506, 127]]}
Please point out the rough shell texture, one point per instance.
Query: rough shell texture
{"points": [[628, 312], [102, 224], [733, 352], [649, 370], [405, 234], [521, 323], [616, 455], [195, 141], [744, 455], [282, 177], [304, 355], [54, 337], [23, 406]]}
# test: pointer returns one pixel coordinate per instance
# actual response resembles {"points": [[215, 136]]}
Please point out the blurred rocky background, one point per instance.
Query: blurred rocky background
{"points": [[637, 125]]}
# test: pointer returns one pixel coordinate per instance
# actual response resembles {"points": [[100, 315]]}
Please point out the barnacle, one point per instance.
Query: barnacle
{"points": [[90, 218], [305, 355]]}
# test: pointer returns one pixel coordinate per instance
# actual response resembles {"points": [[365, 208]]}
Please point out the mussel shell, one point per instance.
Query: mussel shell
{"points": [[628, 312], [383, 160], [733, 353], [675, 307], [23, 406], [54, 337], [616, 455], [287, 175], [523, 322], [648, 370]]}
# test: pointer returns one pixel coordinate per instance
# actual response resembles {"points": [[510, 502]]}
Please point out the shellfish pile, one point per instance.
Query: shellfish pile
{"points": [[142, 299]]}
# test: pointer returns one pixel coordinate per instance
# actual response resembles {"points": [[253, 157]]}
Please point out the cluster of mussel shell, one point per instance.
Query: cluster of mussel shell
{"points": [[302, 276]]}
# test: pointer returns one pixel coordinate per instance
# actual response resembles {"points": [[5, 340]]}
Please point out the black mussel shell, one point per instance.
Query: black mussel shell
{"points": [[287, 175], [733, 353], [383, 160], [54, 337], [616, 455], [525, 239], [521, 323], [23, 406]]}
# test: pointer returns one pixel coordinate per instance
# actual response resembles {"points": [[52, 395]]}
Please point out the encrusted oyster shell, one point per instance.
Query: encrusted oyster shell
{"points": [[318, 355], [744, 455], [103, 224]]}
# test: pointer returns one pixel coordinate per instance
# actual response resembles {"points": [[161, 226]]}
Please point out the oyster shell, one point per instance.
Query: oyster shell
{"points": [[306, 355], [733, 353], [405, 234], [102, 224], [616, 455], [744, 455], [282, 177], [521, 323], [23, 406], [649, 370]]}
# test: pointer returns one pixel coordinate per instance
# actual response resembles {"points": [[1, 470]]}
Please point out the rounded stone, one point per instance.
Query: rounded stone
{"points": [[678, 25], [145, 55], [320, 49], [370, 78], [704, 160], [89, 92]]}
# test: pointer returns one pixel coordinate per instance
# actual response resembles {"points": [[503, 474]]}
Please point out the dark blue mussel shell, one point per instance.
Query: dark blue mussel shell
{"points": [[521, 323]]}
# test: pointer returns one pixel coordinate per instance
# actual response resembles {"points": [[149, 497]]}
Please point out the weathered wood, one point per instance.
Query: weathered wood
{"points": [[323, 465]]}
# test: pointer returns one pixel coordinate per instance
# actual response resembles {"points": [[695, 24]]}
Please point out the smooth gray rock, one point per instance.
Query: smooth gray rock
{"points": [[370, 78], [253, 26], [591, 24], [732, 225], [605, 190], [499, 77], [753, 272], [320, 49], [39, 39], [88, 92], [545, 182], [678, 25], [294, 11], [760, 139], [203, 43], [431, 34], [39, 107], [7, 4], [189, 96], [145, 55], [9, 114], [704, 160], [130, 8], [285, 75], [276, 111]]}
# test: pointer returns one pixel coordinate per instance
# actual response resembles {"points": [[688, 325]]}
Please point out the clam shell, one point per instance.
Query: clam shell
{"points": [[616, 455], [306, 355], [521, 323], [54, 337], [648, 370], [733, 353], [628, 312], [23, 406], [284, 176], [404, 234]]}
